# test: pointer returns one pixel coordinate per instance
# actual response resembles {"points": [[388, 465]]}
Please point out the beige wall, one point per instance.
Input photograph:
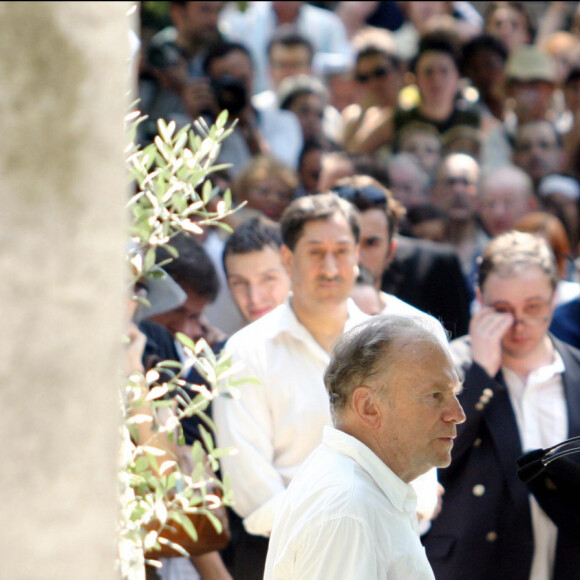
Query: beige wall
{"points": [[63, 87]]}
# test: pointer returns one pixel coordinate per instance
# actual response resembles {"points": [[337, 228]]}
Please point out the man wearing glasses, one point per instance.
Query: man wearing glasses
{"points": [[521, 392]]}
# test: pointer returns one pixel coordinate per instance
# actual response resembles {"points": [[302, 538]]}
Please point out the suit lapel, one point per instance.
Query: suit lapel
{"points": [[502, 425]]}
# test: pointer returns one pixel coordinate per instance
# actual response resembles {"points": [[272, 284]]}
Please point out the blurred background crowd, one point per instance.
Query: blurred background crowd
{"points": [[469, 112], [463, 116]]}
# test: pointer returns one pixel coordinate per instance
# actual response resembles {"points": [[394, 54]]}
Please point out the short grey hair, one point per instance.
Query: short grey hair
{"points": [[368, 349]]}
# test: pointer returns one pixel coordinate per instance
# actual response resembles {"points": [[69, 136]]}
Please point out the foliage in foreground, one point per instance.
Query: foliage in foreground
{"points": [[172, 193]]}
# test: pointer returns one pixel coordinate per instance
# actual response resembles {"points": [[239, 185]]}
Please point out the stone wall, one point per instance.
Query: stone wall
{"points": [[63, 95]]}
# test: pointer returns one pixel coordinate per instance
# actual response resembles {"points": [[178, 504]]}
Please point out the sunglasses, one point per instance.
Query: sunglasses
{"points": [[378, 73], [362, 198]]}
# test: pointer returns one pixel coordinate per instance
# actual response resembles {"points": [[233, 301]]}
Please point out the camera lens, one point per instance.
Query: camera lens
{"points": [[230, 94]]}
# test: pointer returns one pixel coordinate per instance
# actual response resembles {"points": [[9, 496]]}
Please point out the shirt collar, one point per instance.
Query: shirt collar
{"points": [[399, 493], [289, 323]]}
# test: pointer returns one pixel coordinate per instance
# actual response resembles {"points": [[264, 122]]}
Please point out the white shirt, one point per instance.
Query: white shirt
{"points": [[277, 420], [542, 419], [256, 26], [280, 129], [346, 516]]}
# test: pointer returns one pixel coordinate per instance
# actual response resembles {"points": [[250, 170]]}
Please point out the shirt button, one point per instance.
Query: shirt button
{"points": [[488, 393], [491, 536], [478, 490], [477, 442], [479, 406]]}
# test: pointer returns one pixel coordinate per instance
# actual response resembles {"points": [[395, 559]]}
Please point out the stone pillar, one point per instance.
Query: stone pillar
{"points": [[63, 96]]}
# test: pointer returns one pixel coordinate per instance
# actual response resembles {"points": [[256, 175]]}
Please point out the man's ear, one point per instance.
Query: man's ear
{"points": [[364, 404], [287, 258], [391, 253]]}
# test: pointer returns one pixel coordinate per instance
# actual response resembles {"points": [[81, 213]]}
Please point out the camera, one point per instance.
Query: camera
{"points": [[230, 94]]}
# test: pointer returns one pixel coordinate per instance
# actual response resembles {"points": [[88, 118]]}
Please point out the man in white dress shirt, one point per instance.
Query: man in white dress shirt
{"points": [[278, 420], [350, 512]]}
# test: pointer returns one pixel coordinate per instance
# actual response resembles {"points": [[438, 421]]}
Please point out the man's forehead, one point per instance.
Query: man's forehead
{"points": [[499, 279], [266, 255], [290, 52], [535, 132]]}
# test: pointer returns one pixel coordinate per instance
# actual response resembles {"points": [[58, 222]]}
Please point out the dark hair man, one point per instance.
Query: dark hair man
{"points": [[253, 265]]}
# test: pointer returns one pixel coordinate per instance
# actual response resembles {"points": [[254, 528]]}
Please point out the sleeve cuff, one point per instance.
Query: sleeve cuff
{"points": [[261, 520]]}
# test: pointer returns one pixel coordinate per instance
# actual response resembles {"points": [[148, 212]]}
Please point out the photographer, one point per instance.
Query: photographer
{"points": [[229, 67], [171, 77]]}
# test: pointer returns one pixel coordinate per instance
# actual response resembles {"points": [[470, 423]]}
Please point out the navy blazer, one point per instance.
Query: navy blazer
{"points": [[428, 276], [484, 531]]}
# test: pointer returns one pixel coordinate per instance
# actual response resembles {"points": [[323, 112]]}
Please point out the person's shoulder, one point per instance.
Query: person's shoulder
{"points": [[567, 350], [397, 306], [255, 334], [320, 14], [571, 306], [327, 481], [407, 246]]}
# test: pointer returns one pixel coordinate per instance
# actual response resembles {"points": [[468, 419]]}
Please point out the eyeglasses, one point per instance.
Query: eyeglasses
{"points": [[534, 313], [452, 181], [378, 73], [363, 198]]}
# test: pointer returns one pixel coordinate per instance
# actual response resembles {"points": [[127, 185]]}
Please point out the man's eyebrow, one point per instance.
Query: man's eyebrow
{"points": [[345, 241]]}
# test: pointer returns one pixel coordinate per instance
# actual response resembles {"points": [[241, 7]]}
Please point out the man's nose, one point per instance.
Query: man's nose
{"points": [[499, 208], [455, 412], [254, 293], [329, 266]]}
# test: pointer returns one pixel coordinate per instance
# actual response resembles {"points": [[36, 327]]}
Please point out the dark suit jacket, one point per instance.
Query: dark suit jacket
{"points": [[566, 322], [428, 276], [484, 531]]}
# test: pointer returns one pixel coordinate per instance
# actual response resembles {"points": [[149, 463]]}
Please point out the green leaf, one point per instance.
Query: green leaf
{"points": [[206, 191], [215, 522], [222, 119], [207, 438], [189, 528], [185, 341]]}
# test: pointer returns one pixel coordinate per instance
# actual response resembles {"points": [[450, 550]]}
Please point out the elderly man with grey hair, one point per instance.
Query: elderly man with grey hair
{"points": [[349, 513]]}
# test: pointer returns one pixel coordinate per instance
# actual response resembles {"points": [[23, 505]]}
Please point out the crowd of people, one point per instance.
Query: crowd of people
{"points": [[412, 162]]}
